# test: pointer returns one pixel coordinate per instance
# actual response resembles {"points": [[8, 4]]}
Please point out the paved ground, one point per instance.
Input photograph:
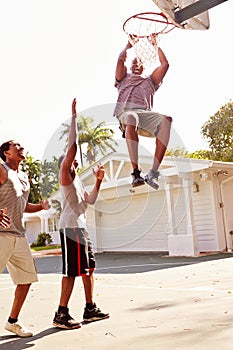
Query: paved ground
{"points": [[155, 302]]}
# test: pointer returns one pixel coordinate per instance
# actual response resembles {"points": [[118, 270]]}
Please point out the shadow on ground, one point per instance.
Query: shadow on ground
{"points": [[16, 343], [127, 263]]}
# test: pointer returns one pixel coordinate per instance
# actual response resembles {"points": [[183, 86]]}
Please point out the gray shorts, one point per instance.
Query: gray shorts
{"points": [[147, 122]]}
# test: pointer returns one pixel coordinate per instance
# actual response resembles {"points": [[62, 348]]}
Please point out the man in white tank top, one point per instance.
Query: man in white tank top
{"points": [[77, 254], [14, 248], [134, 112]]}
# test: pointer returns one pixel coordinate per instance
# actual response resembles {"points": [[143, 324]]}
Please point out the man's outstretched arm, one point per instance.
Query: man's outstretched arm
{"points": [[160, 72], [121, 68]]}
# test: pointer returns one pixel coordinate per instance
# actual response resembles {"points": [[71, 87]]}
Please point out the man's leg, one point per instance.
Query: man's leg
{"points": [[91, 312], [66, 290], [162, 140], [132, 140], [88, 283], [62, 317], [13, 325], [21, 292]]}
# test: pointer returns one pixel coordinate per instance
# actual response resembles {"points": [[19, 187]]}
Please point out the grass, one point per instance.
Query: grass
{"points": [[47, 247]]}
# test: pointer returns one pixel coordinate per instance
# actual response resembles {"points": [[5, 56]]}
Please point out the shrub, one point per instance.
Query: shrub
{"points": [[43, 239]]}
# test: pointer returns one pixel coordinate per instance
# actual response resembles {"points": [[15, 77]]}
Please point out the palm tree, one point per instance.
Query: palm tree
{"points": [[99, 138]]}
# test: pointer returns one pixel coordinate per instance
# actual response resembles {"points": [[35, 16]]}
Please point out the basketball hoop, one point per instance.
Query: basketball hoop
{"points": [[143, 30]]}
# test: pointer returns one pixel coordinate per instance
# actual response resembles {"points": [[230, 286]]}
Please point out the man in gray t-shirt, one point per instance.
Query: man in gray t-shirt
{"points": [[134, 112], [14, 248]]}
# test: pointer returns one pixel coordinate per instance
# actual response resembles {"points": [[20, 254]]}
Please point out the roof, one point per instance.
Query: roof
{"points": [[118, 169]]}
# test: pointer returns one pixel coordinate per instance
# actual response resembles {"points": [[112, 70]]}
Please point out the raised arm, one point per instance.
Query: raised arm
{"points": [[159, 73], [91, 197], [72, 139], [65, 176], [121, 69]]}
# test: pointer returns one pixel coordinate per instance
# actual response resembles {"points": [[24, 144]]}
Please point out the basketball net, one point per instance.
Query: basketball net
{"points": [[143, 32], [145, 48]]}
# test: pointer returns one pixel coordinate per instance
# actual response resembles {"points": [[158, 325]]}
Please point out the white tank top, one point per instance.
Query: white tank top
{"points": [[73, 205]]}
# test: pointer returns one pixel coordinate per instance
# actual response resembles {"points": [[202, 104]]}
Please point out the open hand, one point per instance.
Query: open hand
{"points": [[99, 172], [45, 204], [4, 219], [74, 107]]}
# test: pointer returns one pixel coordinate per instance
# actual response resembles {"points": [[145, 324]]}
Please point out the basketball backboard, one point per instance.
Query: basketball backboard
{"points": [[188, 14]]}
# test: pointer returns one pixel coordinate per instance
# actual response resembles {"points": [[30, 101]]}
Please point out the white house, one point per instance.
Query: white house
{"points": [[42, 221], [190, 213]]}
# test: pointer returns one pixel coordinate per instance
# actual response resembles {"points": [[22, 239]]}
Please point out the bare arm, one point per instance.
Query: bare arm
{"points": [[33, 208], [65, 176], [160, 72], [121, 68], [3, 175], [91, 197]]}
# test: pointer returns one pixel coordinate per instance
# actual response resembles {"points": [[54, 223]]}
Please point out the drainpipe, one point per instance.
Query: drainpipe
{"points": [[224, 217]]}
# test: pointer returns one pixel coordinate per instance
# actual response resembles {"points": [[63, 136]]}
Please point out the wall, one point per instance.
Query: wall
{"points": [[33, 228], [139, 222], [205, 217]]}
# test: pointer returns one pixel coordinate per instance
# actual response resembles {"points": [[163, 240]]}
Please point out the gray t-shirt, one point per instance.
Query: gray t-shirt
{"points": [[14, 196], [135, 91]]}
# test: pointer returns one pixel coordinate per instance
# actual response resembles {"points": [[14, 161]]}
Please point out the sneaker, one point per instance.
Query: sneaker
{"points": [[138, 180], [65, 321], [94, 315], [152, 178], [19, 329]]}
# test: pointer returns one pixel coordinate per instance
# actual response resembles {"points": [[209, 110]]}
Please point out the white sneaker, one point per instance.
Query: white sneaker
{"points": [[19, 329], [152, 178]]}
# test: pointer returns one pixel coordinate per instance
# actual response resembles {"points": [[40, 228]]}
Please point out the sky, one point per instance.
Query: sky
{"points": [[55, 50]]}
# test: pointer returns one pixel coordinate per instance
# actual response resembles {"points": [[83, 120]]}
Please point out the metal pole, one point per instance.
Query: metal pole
{"points": [[195, 9]]}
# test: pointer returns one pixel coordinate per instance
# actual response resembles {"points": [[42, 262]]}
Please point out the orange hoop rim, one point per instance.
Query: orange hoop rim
{"points": [[164, 20]]}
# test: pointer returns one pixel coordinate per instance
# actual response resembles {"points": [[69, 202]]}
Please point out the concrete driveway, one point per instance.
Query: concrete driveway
{"points": [[155, 302]]}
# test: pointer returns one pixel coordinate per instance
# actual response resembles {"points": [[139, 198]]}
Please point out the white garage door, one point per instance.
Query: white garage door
{"points": [[133, 223]]}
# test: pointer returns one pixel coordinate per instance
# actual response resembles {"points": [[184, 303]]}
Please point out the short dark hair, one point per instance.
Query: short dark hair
{"points": [[5, 147], [60, 159]]}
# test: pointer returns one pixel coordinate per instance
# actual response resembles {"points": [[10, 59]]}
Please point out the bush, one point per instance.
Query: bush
{"points": [[43, 239]]}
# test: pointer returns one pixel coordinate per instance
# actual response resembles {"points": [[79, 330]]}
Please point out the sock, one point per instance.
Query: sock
{"points": [[90, 306], [62, 309], [12, 320]]}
